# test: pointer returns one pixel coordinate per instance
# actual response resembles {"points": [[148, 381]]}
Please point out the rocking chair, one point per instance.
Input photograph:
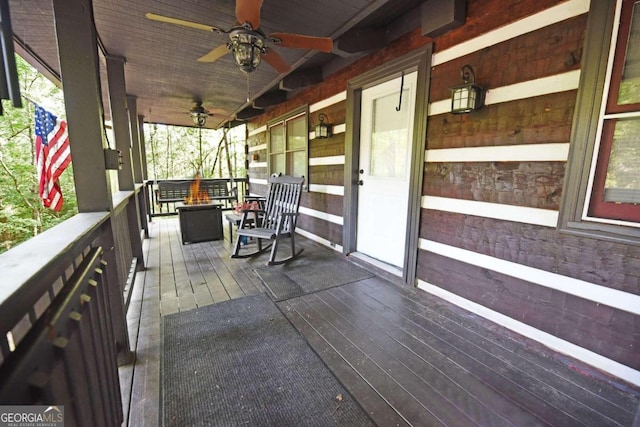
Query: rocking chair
{"points": [[276, 222]]}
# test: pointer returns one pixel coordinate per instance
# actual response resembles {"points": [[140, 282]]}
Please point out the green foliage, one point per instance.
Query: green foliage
{"points": [[22, 214], [175, 152], [172, 152]]}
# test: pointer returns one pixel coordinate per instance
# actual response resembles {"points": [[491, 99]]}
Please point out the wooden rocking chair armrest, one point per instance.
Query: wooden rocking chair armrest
{"points": [[246, 211]]}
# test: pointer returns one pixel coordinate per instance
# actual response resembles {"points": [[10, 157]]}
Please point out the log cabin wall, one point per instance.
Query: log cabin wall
{"points": [[493, 182]]}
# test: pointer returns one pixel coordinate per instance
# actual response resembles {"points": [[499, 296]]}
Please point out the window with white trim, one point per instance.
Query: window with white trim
{"points": [[288, 142]]}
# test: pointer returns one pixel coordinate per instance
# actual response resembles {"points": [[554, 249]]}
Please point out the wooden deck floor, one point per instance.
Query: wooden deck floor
{"points": [[408, 358]]}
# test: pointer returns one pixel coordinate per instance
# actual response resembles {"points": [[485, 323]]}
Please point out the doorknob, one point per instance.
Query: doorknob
{"points": [[360, 182]]}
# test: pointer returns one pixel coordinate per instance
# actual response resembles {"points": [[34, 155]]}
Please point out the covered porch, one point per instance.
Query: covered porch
{"points": [[406, 357], [494, 226]]}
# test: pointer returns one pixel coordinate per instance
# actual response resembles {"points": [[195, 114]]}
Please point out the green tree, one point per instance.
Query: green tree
{"points": [[175, 152], [22, 214]]}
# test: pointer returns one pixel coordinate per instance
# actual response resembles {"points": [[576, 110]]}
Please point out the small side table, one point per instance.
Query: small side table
{"points": [[234, 219]]}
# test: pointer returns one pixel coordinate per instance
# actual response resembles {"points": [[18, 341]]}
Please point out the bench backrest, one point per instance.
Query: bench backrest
{"points": [[283, 197], [179, 190]]}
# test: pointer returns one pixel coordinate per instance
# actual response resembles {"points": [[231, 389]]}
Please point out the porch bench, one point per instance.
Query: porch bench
{"points": [[172, 191]]}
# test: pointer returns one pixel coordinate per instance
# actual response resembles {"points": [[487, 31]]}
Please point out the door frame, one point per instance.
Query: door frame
{"points": [[418, 60]]}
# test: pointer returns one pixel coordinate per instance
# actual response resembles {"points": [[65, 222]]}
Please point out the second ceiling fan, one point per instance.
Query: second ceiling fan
{"points": [[248, 43]]}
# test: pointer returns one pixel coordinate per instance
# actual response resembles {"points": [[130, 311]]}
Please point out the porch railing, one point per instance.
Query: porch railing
{"points": [[62, 313], [237, 187]]}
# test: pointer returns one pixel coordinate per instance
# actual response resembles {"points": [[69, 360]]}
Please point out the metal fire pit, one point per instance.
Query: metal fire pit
{"points": [[200, 223]]}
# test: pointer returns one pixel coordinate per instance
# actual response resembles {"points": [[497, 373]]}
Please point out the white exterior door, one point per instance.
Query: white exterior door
{"points": [[386, 137]]}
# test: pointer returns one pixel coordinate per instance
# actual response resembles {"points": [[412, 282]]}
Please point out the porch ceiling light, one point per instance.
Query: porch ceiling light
{"points": [[468, 96], [247, 45], [199, 116], [323, 130]]}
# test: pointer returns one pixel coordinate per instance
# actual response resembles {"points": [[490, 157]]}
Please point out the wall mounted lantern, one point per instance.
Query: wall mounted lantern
{"points": [[468, 96], [323, 130]]}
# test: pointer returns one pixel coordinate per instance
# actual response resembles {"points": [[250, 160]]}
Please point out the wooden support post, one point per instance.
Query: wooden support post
{"points": [[78, 50], [136, 151], [120, 119]]}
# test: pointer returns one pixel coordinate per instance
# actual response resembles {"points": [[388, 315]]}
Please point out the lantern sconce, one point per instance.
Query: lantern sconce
{"points": [[468, 96], [323, 130]]}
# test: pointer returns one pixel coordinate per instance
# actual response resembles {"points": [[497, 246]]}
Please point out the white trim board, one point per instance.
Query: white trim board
{"points": [[258, 130], [537, 87], [526, 25], [335, 219], [326, 161], [599, 294], [319, 239], [557, 344], [554, 152], [523, 214], [338, 97]]}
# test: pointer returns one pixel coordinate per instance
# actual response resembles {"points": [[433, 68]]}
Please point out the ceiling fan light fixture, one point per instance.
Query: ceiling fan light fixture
{"points": [[199, 118], [247, 46]]}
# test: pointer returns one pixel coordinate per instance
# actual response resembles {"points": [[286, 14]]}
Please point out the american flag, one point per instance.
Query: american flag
{"points": [[52, 156]]}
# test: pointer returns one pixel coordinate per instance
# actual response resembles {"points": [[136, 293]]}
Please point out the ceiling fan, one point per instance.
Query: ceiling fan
{"points": [[199, 114], [248, 43]]}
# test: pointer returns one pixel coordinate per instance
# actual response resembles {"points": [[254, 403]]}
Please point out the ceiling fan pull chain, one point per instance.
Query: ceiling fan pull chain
{"points": [[248, 91]]}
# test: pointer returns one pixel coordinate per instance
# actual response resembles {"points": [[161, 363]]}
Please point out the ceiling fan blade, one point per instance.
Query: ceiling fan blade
{"points": [[323, 44], [218, 112], [215, 54], [249, 11], [272, 58], [182, 22]]}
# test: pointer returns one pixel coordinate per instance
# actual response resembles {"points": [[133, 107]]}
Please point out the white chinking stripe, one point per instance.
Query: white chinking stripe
{"points": [[605, 364], [258, 148], [318, 239], [523, 90], [316, 188], [339, 97], [258, 164], [326, 161], [258, 181], [321, 215], [258, 130], [555, 152], [336, 190], [531, 23], [580, 288], [523, 214]]}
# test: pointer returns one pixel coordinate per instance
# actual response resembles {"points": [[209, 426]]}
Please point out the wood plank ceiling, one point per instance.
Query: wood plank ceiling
{"points": [[161, 68]]}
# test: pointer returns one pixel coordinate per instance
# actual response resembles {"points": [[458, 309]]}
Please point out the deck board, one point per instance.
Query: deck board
{"points": [[408, 358], [545, 380], [433, 371]]}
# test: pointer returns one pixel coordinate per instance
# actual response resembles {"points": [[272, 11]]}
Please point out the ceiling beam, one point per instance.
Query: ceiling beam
{"points": [[301, 79], [440, 16], [248, 113], [360, 40], [269, 99]]}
